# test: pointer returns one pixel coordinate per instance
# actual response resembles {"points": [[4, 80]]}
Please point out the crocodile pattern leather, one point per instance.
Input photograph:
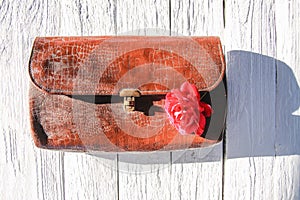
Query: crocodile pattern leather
{"points": [[74, 102]]}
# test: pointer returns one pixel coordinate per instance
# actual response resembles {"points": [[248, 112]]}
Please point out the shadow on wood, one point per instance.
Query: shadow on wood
{"points": [[207, 154], [262, 95]]}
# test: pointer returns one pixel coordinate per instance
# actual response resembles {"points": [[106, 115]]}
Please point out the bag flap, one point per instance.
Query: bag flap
{"points": [[105, 65]]}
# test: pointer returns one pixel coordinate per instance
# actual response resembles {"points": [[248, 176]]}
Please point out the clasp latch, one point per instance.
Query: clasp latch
{"points": [[129, 98]]}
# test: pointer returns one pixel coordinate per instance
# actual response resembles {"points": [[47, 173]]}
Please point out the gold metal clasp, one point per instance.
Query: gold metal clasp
{"points": [[129, 98]]}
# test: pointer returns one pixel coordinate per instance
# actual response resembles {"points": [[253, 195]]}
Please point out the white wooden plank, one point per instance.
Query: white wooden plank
{"points": [[250, 27], [138, 17], [144, 175], [197, 18], [23, 165], [84, 17], [89, 176], [36, 21], [251, 170], [287, 162], [197, 174]]}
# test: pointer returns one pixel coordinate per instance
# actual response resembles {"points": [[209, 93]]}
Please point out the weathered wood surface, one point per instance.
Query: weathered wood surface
{"points": [[261, 152], [262, 158], [193, 18]]}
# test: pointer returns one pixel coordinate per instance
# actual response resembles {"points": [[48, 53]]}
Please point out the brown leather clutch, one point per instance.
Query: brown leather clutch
{"points": [[108, 93]]}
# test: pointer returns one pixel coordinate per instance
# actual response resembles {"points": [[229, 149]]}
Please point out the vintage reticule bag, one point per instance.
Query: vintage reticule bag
{"points": [[80, 85]]}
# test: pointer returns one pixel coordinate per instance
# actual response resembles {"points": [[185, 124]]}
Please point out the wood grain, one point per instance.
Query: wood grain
{"points": [[251, 78], [145, 176], [262, 144], [190, 178], [30, 173], [95, 176], [287, 138]]}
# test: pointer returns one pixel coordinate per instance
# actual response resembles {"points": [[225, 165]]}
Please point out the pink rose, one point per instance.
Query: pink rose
{"points": [[185, 111]]}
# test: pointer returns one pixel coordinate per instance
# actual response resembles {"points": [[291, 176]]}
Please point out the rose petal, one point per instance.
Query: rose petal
{"points": [[190, 90], [202, 123], [207, 111], [190, 127], [185, 111]]}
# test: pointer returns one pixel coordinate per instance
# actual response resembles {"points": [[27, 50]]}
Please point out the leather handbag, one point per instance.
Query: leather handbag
{"points": [[109, 93]]}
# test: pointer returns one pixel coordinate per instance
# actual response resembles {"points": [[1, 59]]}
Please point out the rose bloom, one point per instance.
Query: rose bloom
{"points": [[185, 111]]}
